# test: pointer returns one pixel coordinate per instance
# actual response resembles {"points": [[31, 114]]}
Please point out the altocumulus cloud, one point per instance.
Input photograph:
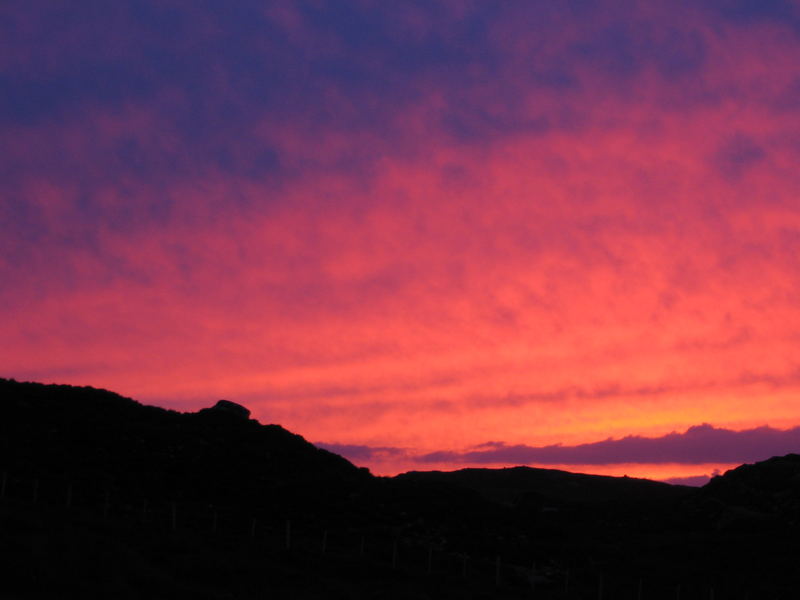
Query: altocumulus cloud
{"points": [[393, 221]]}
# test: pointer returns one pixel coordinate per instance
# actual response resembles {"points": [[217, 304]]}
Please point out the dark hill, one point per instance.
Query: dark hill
{"points": [[771, 486], [102, 497], [102, 442], [552, 487], [760, 496]]}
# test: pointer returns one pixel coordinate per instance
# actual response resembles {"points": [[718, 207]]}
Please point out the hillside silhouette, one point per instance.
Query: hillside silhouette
{"points": [[553, 487], [105, 497]]}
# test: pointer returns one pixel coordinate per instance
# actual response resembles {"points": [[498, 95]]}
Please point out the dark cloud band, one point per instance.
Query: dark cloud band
{"points": [[697, 445], [701, 444]]}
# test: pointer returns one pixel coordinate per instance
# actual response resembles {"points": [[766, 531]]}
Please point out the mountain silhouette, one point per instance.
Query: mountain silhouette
{"points": [[554, 487], [99, 439], [761, 497], [104, 497]]}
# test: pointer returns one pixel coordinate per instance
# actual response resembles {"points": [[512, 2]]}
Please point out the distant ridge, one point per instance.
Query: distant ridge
{"points": [[514, 484]]}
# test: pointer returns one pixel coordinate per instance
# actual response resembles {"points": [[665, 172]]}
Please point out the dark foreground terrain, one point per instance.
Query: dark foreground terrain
{"points": [[102, 497]]}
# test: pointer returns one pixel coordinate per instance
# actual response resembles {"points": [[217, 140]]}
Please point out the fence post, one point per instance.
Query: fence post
{"points": [[35, 490], [600, 586], [361, 548], [144, 510], [640, 589], [430, 559], [464, 566], [68, 500], [214, 521], [324, 541], [253, 528], [394, 555], [566, 583], [497, 571], [288, 534], [174, 511]]}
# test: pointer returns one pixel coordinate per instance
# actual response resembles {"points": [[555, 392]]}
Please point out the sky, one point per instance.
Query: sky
{"points": [[427, 235]]}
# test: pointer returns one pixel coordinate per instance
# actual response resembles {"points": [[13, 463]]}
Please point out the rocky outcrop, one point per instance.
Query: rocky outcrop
{"points": [[226, 407]]}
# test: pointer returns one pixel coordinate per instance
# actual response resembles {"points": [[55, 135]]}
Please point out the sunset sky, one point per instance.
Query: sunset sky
{"points": [[422, 234]]}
